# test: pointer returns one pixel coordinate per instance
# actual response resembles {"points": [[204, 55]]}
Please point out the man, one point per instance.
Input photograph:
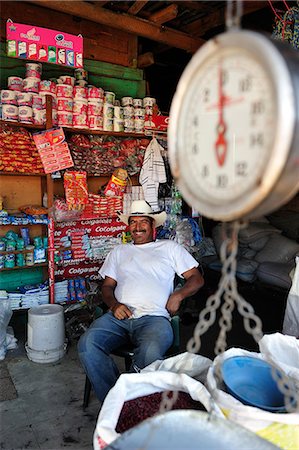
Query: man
{"points": [[138, 289]]}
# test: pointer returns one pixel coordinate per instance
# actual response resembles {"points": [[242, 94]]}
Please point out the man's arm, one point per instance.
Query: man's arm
{"points": [[120, 311], [194, 281]]}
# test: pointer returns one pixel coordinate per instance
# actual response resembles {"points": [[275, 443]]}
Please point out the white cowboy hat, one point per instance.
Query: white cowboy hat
{"points": [[142, 208]]}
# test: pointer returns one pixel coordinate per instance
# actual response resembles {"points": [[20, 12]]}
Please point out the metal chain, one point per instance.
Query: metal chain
{"points": [[227, 289], [291, 394], [234, 9], [168, 402]]}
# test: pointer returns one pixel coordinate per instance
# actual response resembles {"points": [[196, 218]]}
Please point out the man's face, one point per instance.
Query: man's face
{"points": [[141, 229]]}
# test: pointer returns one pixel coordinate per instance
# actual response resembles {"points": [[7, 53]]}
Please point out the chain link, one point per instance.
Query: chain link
{"points": [[234, 9], [168, 402], [227, 289]]}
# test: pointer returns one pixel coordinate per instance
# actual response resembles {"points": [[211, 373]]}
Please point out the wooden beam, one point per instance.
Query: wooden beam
{"points": [[145, 60], [165, 14], [134, 25], [200, 26], [136, 7]]}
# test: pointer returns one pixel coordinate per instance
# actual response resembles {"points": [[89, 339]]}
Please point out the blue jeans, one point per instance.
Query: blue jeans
{"points": [[151, 336]]}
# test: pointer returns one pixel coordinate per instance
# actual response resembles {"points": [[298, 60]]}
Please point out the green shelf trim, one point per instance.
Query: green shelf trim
{"points": [[124, 81]]}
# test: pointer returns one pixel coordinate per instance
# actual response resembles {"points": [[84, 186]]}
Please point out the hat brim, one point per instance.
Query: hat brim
{"points": [[159, 218]]}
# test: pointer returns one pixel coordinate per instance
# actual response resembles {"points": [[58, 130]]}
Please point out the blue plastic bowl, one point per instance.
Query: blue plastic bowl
{"points": [[250, 380]]}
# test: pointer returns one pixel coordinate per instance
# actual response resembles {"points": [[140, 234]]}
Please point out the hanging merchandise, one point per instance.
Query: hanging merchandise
{"points": [[152, 173], [76, 193], [53, 150], [286, 27], [43, 44]]}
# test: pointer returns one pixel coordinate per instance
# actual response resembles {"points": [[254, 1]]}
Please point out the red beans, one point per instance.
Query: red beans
{"points": [[139, 409]]}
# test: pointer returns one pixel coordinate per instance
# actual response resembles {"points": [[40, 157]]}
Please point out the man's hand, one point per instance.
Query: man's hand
{"points": [[173, 303], [121, 311], [193, 282]]}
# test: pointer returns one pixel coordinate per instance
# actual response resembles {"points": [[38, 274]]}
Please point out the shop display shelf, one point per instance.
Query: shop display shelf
{"points": [[26, 174], [104, 133], [24, 267], [22, 125]]}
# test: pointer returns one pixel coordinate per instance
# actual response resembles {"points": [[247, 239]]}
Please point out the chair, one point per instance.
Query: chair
{"points": [[127, 352]]}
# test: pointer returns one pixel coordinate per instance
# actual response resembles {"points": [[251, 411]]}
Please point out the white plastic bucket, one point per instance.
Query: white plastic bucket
{"points": [[46, 334]]}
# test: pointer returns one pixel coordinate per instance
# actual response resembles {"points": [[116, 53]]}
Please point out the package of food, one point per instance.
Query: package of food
{"points": [[117, 184], [76, 193]]}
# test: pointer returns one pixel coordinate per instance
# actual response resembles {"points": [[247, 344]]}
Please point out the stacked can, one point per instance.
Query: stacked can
{"points": [[128, 109], [64, 94], [95, 104], [46, 87], [139, 114], [118, 121], [148, 104], [80, 107], [108, 111], [9, 102], [81, 77]]}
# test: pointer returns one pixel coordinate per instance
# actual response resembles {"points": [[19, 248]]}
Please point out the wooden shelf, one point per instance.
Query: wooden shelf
{"points": [[15, 252], [22, 125], [76, 130], [24, 267], [104, 133], [23, 174]]}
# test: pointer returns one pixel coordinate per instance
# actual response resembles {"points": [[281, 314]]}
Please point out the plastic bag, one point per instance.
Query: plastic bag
{"points": [[152, 379], [291, 317], [5, 316], [283, 351], [281, 429]]}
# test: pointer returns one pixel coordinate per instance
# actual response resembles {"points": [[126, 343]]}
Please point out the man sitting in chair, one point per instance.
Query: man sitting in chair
{"points": [[138, 289]]}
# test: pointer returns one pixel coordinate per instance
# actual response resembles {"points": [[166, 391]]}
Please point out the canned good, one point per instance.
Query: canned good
{"points": [[9, 260], [10, 245], [9, 97], [81, 74], [109, 97], [107, 124], [10, 112], [66, 79], [65, 119], [80, 107], [127, 101], [118, 112], [38, 242], [94, 109], [20, 260], [118, 125], [95, 92], [25, 114], [108, 111], [20, 244], [137, 102], [65, 104], [33, 70], [15, 83], [128, 112], [47, 87], [29, 256], [80, 92], [64, 90], [31, 84], [80, 120], [24, 98], [139, 112], [149, 101]]}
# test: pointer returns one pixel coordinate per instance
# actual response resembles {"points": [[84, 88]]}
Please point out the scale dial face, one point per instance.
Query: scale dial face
{"points": [[229, 135]]}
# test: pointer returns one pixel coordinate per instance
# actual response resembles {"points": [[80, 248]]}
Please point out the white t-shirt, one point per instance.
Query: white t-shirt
{"points": [[145, 273]]}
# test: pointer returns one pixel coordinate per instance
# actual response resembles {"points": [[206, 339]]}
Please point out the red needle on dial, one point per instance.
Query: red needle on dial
{"points": [[221, 144]]}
